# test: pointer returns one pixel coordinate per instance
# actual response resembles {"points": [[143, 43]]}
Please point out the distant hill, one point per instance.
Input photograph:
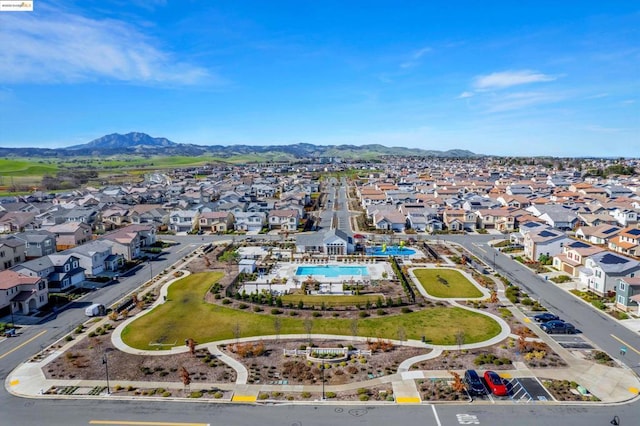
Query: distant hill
{"points": [[136, 143]]}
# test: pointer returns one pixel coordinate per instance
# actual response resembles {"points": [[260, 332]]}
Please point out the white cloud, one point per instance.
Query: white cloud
{"points": [[501, 80], [52, 46], [464, 95], [415, 56], [520, 100]]}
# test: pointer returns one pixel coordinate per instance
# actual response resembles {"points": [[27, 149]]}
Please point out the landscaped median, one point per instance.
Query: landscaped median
{"points": [[446, 283], [185, 315]]}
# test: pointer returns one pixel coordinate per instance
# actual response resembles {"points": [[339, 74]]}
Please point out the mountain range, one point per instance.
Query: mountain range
{"points": [[136, 143]]}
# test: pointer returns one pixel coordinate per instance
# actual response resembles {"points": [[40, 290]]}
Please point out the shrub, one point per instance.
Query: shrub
{"points": [[306, 395], [257, 309], [243, 306], [218, 395], [599, 304], [363, 314], [166, 394], [363, 397], [406, 310], [276, 311], [330, 394], [226, 301], [316, 314], [68, 338], [195, 394], [263, 396]]}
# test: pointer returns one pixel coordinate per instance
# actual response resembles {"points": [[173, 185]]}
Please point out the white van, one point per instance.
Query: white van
{"points": [[95, 310]]}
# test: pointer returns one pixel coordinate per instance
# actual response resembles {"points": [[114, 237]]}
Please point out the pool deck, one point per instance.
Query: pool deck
{"points": [[286, 271]]}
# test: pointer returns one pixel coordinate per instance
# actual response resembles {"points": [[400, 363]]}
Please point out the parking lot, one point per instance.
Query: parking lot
{"points": [[524, 390]]}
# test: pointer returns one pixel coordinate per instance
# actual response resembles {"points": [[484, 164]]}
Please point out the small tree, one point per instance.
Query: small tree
{"points": [[354, 328], [458, 385], [237, 331], [308, 326], [459, 338], [186, 378], [191, 344], [402, 334], [277, 327], [494, 297]]}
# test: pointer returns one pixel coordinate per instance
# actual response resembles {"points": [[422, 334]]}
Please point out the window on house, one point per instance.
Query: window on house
{"points": [[621, 286], [622, 300]]}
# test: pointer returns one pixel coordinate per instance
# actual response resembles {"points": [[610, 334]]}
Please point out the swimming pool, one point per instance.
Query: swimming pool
{"points": [[390, 251], [332, 271]]}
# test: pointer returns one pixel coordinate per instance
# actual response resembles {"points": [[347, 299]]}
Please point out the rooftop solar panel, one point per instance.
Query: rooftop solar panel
{"points": [[634, 232], [612, 259], [548, 234]]}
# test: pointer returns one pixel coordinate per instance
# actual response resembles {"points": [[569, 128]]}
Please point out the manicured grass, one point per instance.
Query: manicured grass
{"points": [[313, 300], [186, 315], [447, 283]]}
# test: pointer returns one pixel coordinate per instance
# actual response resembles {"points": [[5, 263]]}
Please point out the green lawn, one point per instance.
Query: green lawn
{"points": [[313, 300], [447, 283], [186, 315]]}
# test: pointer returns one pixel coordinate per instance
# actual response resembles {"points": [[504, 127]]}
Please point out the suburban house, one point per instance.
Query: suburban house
{"points": [[71, 234], [62, 272], [573, 257], [250, 222], [459, 219], [626, 242], [12, 252], [628, 294], [22, 294], [16, 221], [625, 217], [128, 241], [389, 220], [183, 220], [285, 220], [602, 270], [556, 216], [96, 257], [600, 234], [546, 241], [216, 221], [38, 243]]}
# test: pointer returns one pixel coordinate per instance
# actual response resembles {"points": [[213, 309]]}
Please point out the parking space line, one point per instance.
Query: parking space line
{"points": [[435, 414]]}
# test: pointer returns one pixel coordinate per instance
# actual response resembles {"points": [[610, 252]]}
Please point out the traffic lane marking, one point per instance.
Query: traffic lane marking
{"points": [[626, 344], [23, 344], [137, 423]]}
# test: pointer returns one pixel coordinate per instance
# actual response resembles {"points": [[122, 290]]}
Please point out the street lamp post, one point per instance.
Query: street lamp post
{"points": [[494, 261], [13, 322], [105, 361], [150, 271], [322, 369]]}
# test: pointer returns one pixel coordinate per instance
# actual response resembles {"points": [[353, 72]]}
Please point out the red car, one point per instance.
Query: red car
{"points": [[495, 383]]}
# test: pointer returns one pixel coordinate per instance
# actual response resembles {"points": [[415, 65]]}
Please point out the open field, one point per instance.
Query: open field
{"points": [[331, 300], [187, 315], [446, 283]]}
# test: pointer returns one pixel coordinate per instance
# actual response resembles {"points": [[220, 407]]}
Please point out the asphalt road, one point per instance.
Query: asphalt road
{"points": [[596, 326], [17, 411]]}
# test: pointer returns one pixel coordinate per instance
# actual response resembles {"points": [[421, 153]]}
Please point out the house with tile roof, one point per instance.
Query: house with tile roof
{"points": [[573, 257], [600, 234], [627, 242]]}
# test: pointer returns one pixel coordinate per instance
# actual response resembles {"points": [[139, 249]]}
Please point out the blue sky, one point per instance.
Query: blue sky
{"points": [[494, 77]]}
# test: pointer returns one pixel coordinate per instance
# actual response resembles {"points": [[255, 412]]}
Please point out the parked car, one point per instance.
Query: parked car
{"points": [[546, 316], [558, 327], [474, 383], [495, 383]]}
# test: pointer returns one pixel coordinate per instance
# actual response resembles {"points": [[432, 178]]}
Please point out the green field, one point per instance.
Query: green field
{"points": [[331, 300], [446, 283], [186, 315]]}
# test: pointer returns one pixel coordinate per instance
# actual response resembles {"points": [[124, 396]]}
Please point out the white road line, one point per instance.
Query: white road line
{"points": [[435, 414]]}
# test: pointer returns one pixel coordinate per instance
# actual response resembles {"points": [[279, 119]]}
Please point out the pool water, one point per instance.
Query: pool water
{"points": [[390, 251], [332, 271]]}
